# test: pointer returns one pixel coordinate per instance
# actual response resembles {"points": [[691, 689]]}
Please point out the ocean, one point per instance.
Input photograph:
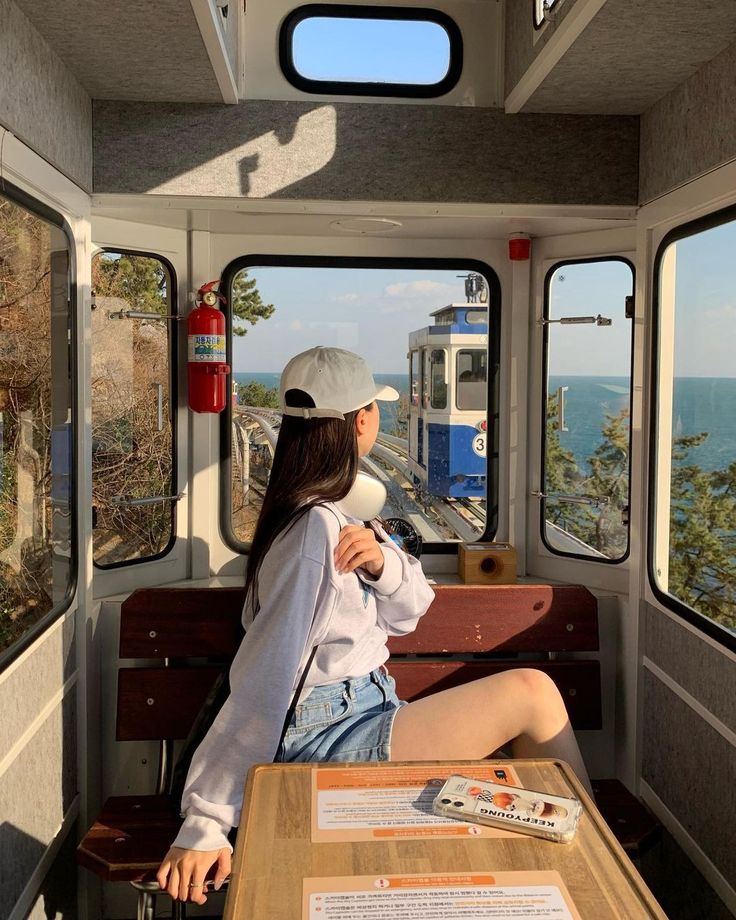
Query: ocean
{"points": [[699, 404]]}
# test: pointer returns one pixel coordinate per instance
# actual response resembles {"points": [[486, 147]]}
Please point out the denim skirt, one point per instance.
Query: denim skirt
{"points": [[350, 720]]}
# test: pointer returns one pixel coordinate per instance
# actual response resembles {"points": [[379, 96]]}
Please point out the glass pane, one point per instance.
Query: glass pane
{"points": [[695, 498], [430, 459], [131, 408], [362, 50], [438, 372], [588, 386], [36, 438], [471, 373]]}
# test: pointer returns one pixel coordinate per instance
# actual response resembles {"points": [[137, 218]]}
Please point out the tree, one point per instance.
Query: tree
{"points": [[247, 306], [702, 552], [254, 393], [138, 280]]}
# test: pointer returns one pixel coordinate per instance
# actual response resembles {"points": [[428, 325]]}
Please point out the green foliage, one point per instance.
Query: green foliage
{"points": [[247, 306], [702, 537], [702, 562], [257, 394], [140, 281]]}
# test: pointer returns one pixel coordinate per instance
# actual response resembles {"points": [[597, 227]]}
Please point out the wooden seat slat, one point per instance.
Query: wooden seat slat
{"points": [[514, 618], [181, 623], [156, 703], [578, 681]]}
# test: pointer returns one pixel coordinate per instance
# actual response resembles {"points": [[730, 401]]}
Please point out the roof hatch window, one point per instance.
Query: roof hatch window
{"points": [[373, 51], [541, 7]]}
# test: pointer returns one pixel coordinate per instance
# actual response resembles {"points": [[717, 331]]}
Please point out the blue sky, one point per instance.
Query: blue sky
{"points": [[371, 50], [372, 312], [369, 311]]}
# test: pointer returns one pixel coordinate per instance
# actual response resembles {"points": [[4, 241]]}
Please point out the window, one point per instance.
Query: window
{"points": [[540, 8], [381, 309], [586, 409], [376, 51], [415, 373], [693, 475], [438, 374], [471, 373], [37, 532], [133, 481]]}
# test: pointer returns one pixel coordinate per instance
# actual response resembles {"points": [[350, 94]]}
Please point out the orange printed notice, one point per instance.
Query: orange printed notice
{"points": [[377, 803], [462, 896]]}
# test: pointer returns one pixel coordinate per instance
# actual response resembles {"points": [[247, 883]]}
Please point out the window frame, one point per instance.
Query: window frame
{"points": [[255, 261], [462, 350], [34, 632], [691, 616], [360, 88], [545, 377], [173, 347], [432, 380]]}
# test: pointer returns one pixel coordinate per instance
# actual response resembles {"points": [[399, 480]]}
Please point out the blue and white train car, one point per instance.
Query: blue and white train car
{"points": [[448, 368]]}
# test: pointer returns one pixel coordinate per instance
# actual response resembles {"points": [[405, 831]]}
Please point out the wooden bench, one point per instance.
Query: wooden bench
{"points": [[473, 631], [193, 633]]}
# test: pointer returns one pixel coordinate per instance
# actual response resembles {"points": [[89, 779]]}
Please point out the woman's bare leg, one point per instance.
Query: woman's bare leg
{"points": [[522, 707]]}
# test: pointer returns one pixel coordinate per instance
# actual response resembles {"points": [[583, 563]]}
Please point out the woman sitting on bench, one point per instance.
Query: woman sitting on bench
{"points": [[323, 593]]}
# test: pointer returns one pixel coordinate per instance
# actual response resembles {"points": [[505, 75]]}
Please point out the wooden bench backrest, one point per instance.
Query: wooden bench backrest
{"points": [[174, 623], [504, 618], [177, 623], [181, 623]]}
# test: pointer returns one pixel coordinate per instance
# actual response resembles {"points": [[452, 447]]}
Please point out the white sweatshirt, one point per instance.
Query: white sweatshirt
{"points": [[353, 614]]}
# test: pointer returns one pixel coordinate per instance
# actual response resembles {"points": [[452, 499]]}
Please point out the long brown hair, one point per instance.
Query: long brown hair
{"points": [[315, 461]]}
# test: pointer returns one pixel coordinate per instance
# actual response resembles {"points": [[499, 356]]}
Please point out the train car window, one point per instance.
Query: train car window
{"points": [[343, 49], [692, 551], [415, 358], [471, 375], [588, 339], [438, 378], [409, 320], [540, 8], [37, 421], [133, 468]]}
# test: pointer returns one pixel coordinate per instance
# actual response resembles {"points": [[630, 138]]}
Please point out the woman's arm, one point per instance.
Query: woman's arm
{"points": [[247, 729], [400, 588]]}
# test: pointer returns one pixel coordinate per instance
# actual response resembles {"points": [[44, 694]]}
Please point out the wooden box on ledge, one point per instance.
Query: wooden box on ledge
{"points": [[487, 563]]}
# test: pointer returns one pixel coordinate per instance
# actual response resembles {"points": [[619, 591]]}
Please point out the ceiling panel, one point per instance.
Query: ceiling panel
{"points": [[135, 50], [633, 53]]}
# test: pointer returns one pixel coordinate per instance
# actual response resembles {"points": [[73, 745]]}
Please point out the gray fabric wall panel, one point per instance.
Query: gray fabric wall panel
{"points": [[685, 761], [705, 672], [36, 791], [35, 681], [131, 50], [297, 150], [691, 130], [40, 101], [631, 54], [521, 47]]}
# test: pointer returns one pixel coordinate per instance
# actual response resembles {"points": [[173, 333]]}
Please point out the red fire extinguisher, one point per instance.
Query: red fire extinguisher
{"points": [[208, 368]]}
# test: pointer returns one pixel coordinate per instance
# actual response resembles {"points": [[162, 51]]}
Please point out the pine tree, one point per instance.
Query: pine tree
{"points": [[254, 393], [609, 479], [247, 306], [140, 281], [702, 540]]}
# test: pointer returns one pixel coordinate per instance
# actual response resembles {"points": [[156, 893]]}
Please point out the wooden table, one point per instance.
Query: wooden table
{"points": [[275, 851]]}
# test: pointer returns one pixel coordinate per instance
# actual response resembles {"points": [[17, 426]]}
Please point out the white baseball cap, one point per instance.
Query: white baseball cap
{"points": [[337, 381]]}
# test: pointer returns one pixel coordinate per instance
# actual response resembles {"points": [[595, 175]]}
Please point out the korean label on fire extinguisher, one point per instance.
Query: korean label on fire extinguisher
{"points": [[209, 348]]}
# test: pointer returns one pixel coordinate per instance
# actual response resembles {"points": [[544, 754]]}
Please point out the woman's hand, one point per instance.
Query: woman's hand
{"points": [[358, 548], [183, 873]]}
